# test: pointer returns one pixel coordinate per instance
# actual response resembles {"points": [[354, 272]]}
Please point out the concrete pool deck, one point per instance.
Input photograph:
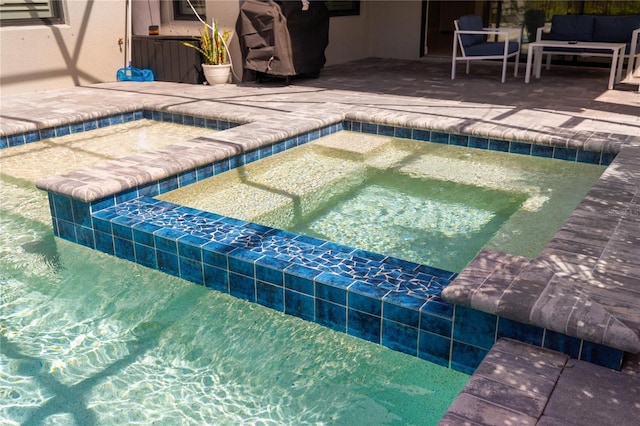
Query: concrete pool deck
{"points": [[585, 283]]}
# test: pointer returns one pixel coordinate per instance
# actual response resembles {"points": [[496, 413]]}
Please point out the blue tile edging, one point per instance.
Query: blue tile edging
{"points": [[513, 147], [381, 299], [18, 139]]}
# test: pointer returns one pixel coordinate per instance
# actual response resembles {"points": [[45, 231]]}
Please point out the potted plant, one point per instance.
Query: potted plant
{"points": [[213, 48]]}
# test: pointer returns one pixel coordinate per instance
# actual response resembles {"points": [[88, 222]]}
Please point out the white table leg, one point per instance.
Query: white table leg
{"points": [[631, 69], [614, 63], [620, 66], [537, 60], [527, 74]]}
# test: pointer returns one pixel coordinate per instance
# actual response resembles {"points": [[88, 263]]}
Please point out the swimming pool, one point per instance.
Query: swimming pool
{"points": [[89, 339], [92, 144], [428, 203], [382, 299]]}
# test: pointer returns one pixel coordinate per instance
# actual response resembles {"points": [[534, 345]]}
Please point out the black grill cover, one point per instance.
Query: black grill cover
{"points": [[280, 38]]}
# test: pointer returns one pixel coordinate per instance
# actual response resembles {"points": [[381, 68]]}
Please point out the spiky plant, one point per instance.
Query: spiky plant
{"points": [[211, 46]]}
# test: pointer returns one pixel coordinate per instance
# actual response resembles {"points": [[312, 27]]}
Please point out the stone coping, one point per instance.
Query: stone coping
{"points": [[514, 381], [521, 384], [112, 177], [115, 176], [562, 138], [591, 256]]}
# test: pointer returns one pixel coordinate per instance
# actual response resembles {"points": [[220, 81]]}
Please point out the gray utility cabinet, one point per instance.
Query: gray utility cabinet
{"points": [[168, 58]]}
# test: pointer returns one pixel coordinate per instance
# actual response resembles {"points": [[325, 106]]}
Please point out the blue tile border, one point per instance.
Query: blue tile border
{"points": [[381, 299], [514, 147], [491, 144], [110, 120], [335, 286]]}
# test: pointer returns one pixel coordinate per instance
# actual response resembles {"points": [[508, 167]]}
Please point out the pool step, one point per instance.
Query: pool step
{"points": [[381, 299]]}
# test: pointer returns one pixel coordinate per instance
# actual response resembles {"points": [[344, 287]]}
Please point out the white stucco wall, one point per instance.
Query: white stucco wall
{"points": [[384, 29], [394, 29], [349, 37], [82, 51], [85, 49]]}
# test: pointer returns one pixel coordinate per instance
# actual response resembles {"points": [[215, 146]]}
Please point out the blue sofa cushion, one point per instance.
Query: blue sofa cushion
{"points": [[585, 51], [606, 51], [471, 23], [572, 27], [615, 29], [490, 49]]}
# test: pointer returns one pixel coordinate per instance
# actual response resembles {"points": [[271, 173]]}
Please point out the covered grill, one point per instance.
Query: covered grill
{"points": [[283, 38]]}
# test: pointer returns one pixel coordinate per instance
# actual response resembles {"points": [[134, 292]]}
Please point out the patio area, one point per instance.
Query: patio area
{"points": [[590, 272]]}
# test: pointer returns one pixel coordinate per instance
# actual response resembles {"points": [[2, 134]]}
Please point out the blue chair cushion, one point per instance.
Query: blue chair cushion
{"points": [[471, 23], [615, 29], [572, 27], [490, 49]]}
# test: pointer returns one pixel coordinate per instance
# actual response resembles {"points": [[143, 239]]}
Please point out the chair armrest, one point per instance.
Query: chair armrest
{"points": [[508, 31], [490, 31], [516, 31], [635, 39], [539, 32], [493, 31]]}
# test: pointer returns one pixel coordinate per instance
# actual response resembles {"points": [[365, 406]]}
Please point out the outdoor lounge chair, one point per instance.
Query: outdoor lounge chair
{"points": [[471, 38]]}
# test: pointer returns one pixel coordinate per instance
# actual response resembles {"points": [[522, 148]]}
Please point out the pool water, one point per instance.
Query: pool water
{"points": [[418, 220], [87, 339], [429, 203], [63, 154]]}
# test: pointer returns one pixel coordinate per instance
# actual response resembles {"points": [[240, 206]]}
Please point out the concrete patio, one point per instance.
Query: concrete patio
{"points": [[586, 283]]}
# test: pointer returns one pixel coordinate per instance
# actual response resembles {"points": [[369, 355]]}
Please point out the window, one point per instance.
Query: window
{"points": [[31, 12], [183, 12]]}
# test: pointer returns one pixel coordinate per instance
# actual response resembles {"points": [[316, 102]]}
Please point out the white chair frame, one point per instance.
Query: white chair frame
{"points": [[457, 42], [634, 55]]}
